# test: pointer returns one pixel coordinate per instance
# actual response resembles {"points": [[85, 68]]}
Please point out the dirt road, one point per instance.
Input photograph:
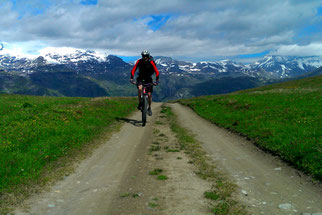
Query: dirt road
{"points": [[266, 184], [117, 178]]}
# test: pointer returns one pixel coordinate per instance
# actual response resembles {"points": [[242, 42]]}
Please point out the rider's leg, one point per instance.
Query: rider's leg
{"points": [[150, 99], [140, 87]]}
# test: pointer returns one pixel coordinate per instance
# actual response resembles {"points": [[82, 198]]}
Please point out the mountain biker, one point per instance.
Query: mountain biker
{"points": [[147, 68]]}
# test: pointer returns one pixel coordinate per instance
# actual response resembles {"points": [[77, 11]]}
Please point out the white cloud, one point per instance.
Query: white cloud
{"points": [[297, 50], [18, 50], [205, 28], [59, 50]]}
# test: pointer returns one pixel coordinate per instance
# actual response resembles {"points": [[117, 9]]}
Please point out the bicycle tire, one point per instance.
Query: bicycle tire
{"points": [[144, 109]]}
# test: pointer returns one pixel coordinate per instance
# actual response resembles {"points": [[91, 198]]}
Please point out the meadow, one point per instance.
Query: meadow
{"points": [[38, 131], [284, 119]]}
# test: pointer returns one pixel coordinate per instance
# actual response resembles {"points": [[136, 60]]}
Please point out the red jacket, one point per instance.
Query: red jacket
{"points": [[146, 69]]}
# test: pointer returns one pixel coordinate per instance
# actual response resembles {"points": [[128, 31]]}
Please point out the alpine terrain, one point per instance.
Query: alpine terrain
{"points": [[89, 74]]}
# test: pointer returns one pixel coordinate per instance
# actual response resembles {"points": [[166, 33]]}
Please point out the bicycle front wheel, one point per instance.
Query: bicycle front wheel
{"points": [[144, 109]]}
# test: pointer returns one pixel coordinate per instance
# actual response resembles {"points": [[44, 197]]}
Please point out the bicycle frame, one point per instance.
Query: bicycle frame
{"points": [[144, 101]]}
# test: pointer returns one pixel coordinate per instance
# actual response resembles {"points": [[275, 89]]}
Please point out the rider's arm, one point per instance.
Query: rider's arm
{"points": [[155, 70], [134, 69]]}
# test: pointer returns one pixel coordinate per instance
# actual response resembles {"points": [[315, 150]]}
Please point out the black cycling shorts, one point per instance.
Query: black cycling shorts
{"points": [[141, 80]]}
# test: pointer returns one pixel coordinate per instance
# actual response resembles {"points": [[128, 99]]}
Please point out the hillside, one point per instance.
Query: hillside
{"points": [[88, 74], [313, 73], [283, 118]]}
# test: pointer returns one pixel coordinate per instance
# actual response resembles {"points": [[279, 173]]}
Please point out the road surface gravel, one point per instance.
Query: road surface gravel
{"points": [[266, 184], [115, 178]]}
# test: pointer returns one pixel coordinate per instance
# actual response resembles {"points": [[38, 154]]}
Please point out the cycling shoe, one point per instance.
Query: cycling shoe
{"points": [[149, 112], [139, 106]]}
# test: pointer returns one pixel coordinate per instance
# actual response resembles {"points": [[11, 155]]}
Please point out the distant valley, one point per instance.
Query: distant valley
{"points": [[87, 74]]}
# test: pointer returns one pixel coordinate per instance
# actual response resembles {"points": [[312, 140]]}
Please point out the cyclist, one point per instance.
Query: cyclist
{"points": [[147, 68]]}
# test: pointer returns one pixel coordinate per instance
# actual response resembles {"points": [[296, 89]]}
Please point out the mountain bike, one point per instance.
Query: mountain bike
{"points": [[144, 100]]}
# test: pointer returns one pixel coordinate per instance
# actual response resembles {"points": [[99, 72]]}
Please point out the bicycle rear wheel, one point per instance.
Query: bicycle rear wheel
{"points": [[144, 109]]}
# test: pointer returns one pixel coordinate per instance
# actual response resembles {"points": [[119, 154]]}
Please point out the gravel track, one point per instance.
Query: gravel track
{"points": [[266, 185]]}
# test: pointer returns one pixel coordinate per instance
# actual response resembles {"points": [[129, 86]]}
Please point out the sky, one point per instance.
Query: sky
{"points": [[194, 30]]}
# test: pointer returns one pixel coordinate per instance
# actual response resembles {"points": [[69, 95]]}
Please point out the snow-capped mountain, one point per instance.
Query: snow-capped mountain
{"points": [[87, 73], [169, 65], [85, 62], [8, 61], [282, 66], [79, 61], [226, 67], [74, 57], [270, 67]]}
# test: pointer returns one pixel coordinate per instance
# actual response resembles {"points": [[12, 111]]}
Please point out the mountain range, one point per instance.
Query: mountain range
{"points": [[89, 74]]}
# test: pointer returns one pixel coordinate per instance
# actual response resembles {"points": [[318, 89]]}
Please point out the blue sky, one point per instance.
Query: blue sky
{"points": [[195, 30], [89, 2], [27, 7], [253, 55], [157, 21]]}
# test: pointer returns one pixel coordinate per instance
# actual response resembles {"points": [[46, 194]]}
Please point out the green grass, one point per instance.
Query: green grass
{"points": [[211, 195], [155, 171], [285, 119], [152, 205], [37, 131], [154, 148], [136, 195], [172, 150], [162, 177], [123, 195]]}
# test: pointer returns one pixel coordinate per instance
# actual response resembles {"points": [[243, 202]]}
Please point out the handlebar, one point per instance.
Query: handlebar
{"points": [[146, 85]]}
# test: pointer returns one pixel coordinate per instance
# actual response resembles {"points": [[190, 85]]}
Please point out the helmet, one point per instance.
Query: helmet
{"points": [[145, 53]]}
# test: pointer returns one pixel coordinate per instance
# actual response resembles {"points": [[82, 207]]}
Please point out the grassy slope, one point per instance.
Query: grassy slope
{"points": [[36, 131], [284, 118]]}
